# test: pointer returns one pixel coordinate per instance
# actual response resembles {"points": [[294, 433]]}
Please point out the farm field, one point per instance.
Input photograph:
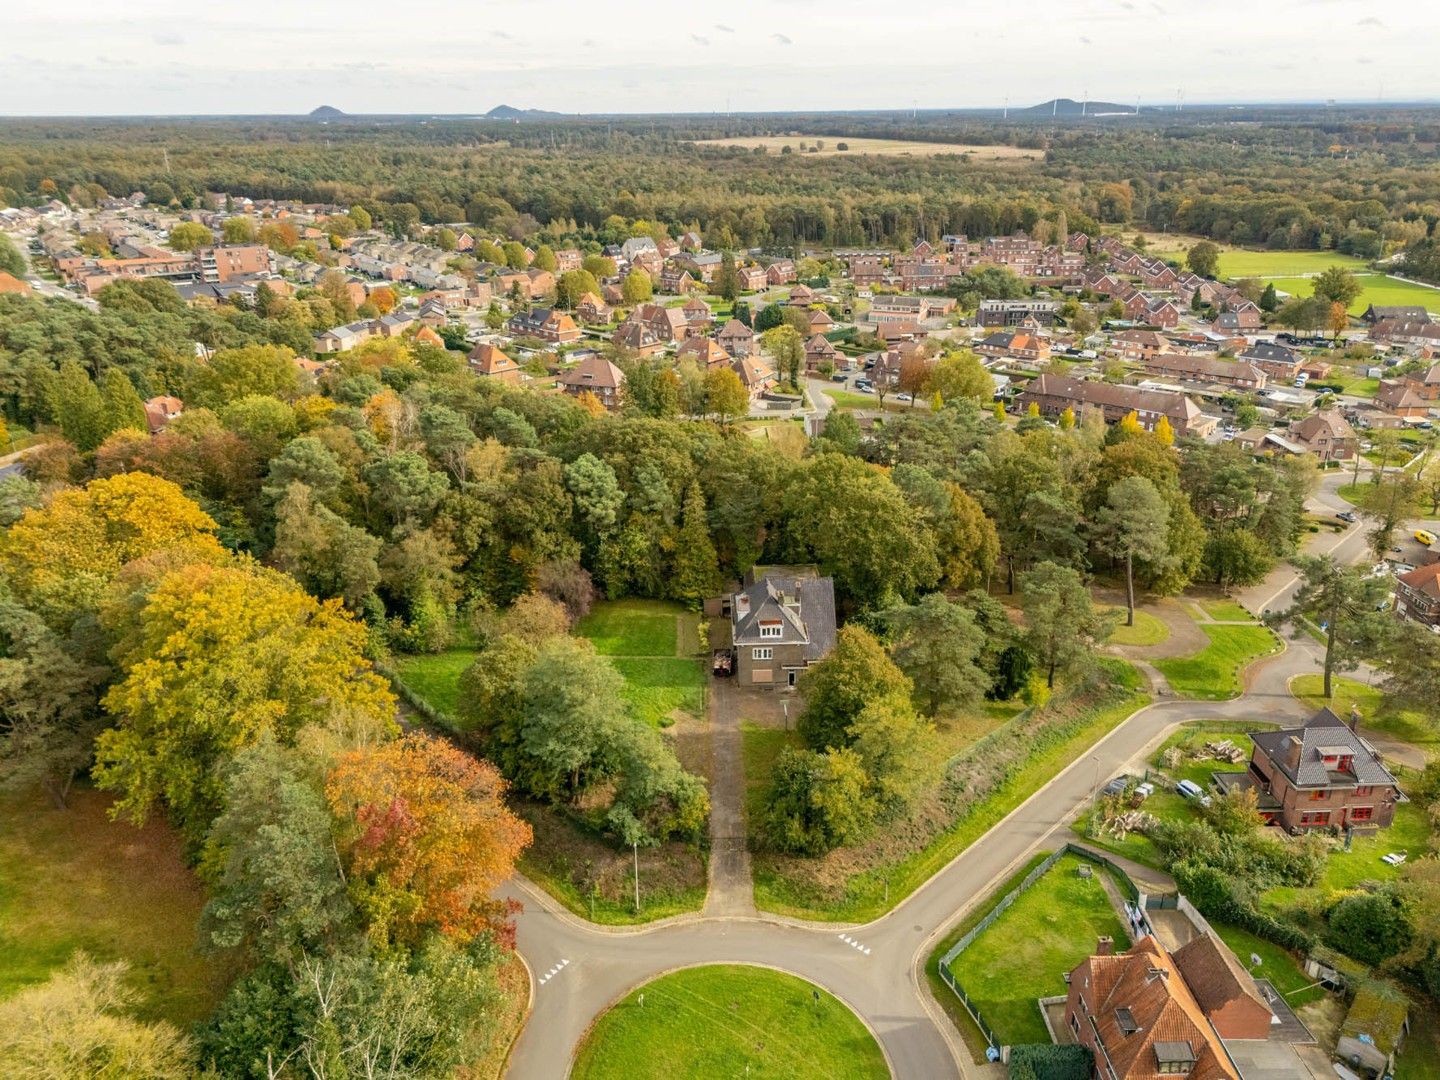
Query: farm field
{"points": [[728, 1020], [773, 144]]}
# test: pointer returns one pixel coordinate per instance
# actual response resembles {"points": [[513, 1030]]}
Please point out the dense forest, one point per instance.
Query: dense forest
{"points": [[1359, 180]]}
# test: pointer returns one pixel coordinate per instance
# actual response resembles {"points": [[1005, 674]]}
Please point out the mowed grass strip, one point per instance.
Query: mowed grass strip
{"points": [[1148, 630], [1226, 611], [73, 879], [1025, 953], [728, 1020], [1214, 673], [631, 627]]}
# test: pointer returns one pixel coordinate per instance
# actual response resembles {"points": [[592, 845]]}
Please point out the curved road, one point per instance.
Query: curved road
{"points": [[578, 969]]}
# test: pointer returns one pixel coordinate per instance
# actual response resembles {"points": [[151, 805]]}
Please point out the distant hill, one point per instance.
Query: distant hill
{"points": [[509, 112], [1069, 107], [325, 112]]}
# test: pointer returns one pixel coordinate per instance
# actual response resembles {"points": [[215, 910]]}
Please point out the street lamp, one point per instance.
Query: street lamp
{"points": [[635, 847], [1094, 797]]}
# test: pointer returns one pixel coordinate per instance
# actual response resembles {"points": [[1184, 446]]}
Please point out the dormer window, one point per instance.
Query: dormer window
{"points": [[771, 630]]}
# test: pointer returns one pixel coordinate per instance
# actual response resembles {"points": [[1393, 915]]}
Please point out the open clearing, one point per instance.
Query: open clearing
{"points": [[74, 879], [652, 644], [728, 1020], [774, 144]]}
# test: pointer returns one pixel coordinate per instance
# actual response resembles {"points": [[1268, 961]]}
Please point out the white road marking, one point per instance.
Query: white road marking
{"points": [[848, 940], [553, 972]]}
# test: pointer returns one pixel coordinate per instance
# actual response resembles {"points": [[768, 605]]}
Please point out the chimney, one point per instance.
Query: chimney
{"points": [[1292, 753], [742, 604], [1105, 946]]}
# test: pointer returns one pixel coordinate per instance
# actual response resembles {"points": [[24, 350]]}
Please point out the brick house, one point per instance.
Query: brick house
{"points": [[736, 338], [1276, 361], [1400, 399], [1055, 393], [1224, 990], [755, 374], [1236, 373], [488, 361], [637, 337], [591, 309], [1014, 312], [159, 411], [1135, 1013], [1404, 312], [752, 278], [1140, 345], [780, 272], [1327, 435], [1417, 595], [547, 324], [1017, 343], [818, 351], [706, 352], [598, 376], [1318, 776], [780, 624]]}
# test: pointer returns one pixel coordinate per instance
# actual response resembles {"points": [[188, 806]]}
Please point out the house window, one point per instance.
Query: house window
{"points": [[1317, 795], [1316, 817], [774, 630], [1362, 813], [765, 653], [1363, 790]]}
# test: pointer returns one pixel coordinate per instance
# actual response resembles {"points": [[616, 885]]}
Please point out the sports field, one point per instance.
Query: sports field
{"points": [[1378, 289], [829, 147]]}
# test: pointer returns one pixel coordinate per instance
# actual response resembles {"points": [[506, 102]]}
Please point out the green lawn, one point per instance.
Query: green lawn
{"points": [[1376, 289], [631, 627], [1376, 711], [1025, 954], [870, 894], [1148, 630], [1237, 263], [436, 676], [1213, 674], [657, 686], [760, 746], [1276, 964], [728, 1020], [73, 879], [1226, 611], [1419, 1058]]}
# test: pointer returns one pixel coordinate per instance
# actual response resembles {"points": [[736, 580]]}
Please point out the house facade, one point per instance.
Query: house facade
{"points": [[1417, 595], [1318, 776], [781, 622]]}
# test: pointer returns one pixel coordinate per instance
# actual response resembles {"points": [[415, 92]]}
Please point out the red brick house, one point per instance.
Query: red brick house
{"points": [[818, 351], [1318, 776], [1140, 345], [1053, 394], [736, 338], [488, 361], [1417, 593], [1400, 399], [547, 324], [591, 309], [780, 272], [1198, 368], [597, 376], [1327, 435], [637, 337], [1135, 1013], [706, 352], [752, 278]]}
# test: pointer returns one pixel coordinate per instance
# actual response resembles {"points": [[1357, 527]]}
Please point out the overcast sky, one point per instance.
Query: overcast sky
{"points": [[104, 57]]}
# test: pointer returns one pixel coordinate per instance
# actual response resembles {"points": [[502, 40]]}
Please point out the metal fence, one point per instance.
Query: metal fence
{"points": [[1122, 879]]}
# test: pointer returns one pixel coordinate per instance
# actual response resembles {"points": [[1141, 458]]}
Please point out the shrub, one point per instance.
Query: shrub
{"points": [[1043, 1061], [1371, 927]]}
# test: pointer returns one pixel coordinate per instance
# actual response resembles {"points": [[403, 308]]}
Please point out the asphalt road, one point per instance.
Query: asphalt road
{"points": [[878, 968]]}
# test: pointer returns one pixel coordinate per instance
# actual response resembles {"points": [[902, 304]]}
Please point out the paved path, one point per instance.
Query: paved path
{"points": [[877, 968], [730, 889]]}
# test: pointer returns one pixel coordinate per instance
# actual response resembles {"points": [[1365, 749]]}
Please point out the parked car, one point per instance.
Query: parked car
{"points": [[903, 397], [1188, 789], [1116, 786]]}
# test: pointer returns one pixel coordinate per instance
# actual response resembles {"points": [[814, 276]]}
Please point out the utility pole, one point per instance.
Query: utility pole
{"points": [[635, 846]]}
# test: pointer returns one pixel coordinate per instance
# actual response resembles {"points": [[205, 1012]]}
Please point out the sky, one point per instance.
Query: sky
{"points": [[165, 57]]}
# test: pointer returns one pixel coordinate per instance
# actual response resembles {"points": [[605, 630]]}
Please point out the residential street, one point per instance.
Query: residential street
{"points": [[883, 978]]}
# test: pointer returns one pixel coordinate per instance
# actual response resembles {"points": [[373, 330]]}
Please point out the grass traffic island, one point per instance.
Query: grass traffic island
{"points": [[1214, 673], [1024, 955], [728, 1020]]}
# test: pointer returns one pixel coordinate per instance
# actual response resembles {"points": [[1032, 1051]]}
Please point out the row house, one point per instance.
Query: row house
{"points": [[1138, 346], [668, 323], [868, 271], [1053, 394], [638, 338], [1236, 374], [1401, 332], [1377, 313]]}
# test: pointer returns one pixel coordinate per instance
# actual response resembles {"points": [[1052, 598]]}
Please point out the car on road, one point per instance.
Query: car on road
{"points": [[1424, 536], [1347, 515], [903, 397]]}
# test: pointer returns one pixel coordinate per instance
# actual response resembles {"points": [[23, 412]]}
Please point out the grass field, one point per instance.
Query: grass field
{"points": [[436, 676], [760, 746], [1376, 711], [728, 1020], [1377, 289], [1148, 630], [774, 144], [73, 879], [644, 640], [1240, 263], [1025, 953], [1213, 674]]}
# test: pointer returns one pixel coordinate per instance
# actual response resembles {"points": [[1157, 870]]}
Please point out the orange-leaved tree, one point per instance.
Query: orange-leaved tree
{"points": [[426, 838]]}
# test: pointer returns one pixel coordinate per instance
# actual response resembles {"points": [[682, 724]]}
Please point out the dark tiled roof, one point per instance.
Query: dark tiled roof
{"points": [[1327, 730], [813, 624]]}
